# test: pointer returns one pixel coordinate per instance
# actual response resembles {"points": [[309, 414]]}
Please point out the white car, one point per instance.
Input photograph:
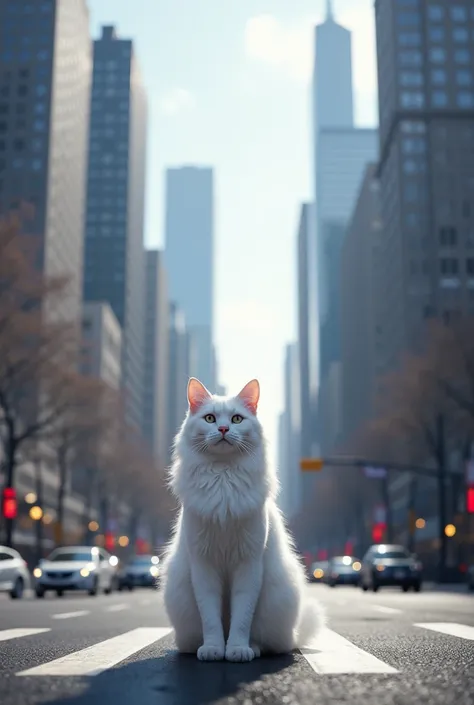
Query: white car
{"points": [[14, 573], [75, 568]]}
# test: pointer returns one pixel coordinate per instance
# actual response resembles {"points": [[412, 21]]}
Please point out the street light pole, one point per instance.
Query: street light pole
{"points": [[441, 453]]}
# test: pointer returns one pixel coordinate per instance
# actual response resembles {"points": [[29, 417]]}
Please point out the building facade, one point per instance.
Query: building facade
{"points": [[102, 343], [361, 292], [45, 78], [189, 233], [157, 357], [114, 264], [290, 499]]}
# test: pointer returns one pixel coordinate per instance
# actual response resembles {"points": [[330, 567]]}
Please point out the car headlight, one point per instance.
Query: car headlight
{"points": [[380, 567], [154, 571], [85, 572], [356, 566], [37, 573]]}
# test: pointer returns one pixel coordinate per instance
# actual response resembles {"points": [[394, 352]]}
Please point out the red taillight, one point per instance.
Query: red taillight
{"points": [[470, 500]]}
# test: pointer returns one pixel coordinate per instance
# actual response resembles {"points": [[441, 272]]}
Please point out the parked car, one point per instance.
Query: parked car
{"points": [[14, 573], [139, 571], [318, 571], [76, 568], [343, 570], [390, 565]]}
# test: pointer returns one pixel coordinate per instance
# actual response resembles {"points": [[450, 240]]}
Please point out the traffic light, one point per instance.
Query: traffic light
{"points": [[311, 464], [470, 500], [9, 503], [378, 531]]}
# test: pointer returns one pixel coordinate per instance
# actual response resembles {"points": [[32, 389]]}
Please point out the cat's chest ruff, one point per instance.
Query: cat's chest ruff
{"points": [[228, 542]]}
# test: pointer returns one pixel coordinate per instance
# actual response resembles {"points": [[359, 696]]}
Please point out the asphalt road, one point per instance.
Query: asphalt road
{"points": [[387, 648]]}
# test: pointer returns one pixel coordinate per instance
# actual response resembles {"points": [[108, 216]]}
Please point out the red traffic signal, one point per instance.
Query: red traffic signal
{"points": [[378, 531], [9, 503], [470, 500]]}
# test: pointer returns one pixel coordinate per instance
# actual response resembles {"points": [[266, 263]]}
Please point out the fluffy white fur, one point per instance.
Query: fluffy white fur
{"points": [[233, 585]]}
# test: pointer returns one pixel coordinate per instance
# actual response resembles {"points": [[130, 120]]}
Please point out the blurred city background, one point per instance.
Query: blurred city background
{"points": [[118, 282]]}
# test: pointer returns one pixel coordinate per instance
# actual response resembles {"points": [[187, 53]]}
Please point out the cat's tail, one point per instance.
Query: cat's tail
{"points": [[311, 622]]}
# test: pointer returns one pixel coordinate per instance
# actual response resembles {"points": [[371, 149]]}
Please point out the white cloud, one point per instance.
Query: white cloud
{"points": [[177, 101]]}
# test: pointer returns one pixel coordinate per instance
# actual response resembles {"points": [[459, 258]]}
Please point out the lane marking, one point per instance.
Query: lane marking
{"points": [[7, 634], [145, 602], [386, 610], [117, 608], [463, 631], [102, 656], [332, 653], [70, 615]]}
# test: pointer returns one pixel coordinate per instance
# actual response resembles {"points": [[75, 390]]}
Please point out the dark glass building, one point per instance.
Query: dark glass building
{"points": [[114, 262]]}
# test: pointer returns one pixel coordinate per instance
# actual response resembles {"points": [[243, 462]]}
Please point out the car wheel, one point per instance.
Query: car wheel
{"points": [[364, 587], [130, 587], [417, 587], [39, 591], [18, 589], [108, 590], [405, 588], [59, 593], [93, 591], [375, 587]]}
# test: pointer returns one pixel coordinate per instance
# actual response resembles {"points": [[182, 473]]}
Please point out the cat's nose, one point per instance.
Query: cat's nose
{"points": [[223, 429]]}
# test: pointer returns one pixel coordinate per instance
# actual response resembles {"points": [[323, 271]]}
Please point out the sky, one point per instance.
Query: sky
{"points": [[229, 86]]}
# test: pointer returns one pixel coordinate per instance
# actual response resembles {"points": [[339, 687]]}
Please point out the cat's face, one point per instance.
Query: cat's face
{"points": [[222, 427]]}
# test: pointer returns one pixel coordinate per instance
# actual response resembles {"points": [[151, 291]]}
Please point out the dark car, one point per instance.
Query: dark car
{"points": [[318, 571], [139, 571], [390, 565], [343, 570]]}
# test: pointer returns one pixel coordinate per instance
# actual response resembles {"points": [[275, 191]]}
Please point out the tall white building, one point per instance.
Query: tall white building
{"points": [[189, 253], [290, 436]]}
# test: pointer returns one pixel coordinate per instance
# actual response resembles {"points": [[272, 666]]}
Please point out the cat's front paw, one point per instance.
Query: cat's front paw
{"points": [[210, 652], [239, 654]]}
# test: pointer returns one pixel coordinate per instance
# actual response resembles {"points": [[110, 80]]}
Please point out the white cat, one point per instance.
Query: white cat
{"points": [[233, 585]]}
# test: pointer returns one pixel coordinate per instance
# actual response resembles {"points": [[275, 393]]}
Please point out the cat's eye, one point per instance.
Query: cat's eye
{"points": [[237, 418], [210, 418]]}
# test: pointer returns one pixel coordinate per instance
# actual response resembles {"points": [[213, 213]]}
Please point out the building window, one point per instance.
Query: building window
{"points": [[414, 145], [438, 77], [410, 166], [435, 12], [437, 55], [459, 13], [449, 265], [465, 99], [448, 236], [462, 56], [412, 99], [409, 39], [439, 99], [411, 58], [411, 78], [460, 34], [437, 34], [408, 18], [464, 77]]}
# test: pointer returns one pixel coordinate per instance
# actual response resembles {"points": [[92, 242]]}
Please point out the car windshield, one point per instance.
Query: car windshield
{"points": [[393, 554], [78, 556], [142, 560]]}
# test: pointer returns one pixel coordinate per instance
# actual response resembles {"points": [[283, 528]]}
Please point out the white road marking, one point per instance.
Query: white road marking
{"points": [[386, 610], [102, 656], [331, 653], [70, 615], [117, 608], [145, 602], [8, 634], [451, 628]]}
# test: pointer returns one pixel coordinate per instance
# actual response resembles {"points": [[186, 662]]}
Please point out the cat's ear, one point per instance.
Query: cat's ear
{"points": [[197, 394], [250, 395]]}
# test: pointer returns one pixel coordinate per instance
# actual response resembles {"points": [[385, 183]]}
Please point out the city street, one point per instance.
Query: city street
{"points": [[386, 648]]}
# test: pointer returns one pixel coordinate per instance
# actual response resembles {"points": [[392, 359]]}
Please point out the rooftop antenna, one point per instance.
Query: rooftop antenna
{"points": [[329, 10]]}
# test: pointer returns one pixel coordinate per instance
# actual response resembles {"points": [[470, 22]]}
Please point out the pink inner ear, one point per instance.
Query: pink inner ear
{"points": [[197, 394], [250, 395]]}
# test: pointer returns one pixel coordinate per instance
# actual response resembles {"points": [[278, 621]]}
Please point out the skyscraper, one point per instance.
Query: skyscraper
{"points": [[45, 75], [155, 390], [189, 232], [426, 169], [114, 266], [341, 153]]}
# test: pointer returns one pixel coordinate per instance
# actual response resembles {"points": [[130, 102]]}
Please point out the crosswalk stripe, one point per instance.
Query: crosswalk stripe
{"points": [[463, 631], [332, 653], [7, 634], [70, 615], [386, 610], [100, 657], [117, 608]]}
